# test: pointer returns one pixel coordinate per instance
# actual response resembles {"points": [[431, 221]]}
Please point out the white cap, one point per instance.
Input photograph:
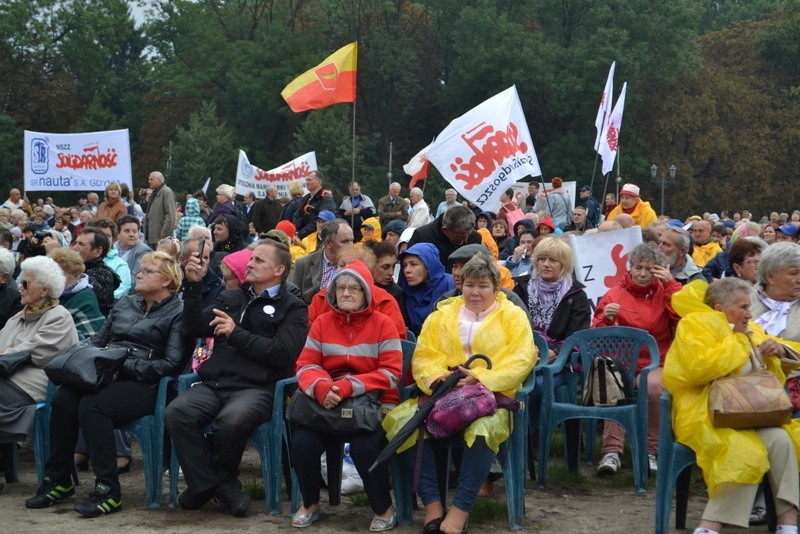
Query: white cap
{"points": [[630, 189]]}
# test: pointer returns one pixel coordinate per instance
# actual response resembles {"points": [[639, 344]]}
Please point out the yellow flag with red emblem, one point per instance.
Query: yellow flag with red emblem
{"points": [[331, 82]]}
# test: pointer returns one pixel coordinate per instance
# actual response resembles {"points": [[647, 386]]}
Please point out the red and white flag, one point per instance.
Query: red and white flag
{"points": [[604, 111], [418, 166], [609, 141], [485, 151]]}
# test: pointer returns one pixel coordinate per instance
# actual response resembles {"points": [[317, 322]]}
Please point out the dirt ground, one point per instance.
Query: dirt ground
{"points": [[565, 510]]}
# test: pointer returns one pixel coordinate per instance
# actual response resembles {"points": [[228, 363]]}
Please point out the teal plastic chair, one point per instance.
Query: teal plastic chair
{"points": [[40, 439], [147, 430], [622, 344], [267, 438], [512, 458]]}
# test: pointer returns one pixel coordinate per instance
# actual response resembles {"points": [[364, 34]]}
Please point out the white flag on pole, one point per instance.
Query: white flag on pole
{"points": [[604, 111], [609, 141], [418, 166], [485, 151]]}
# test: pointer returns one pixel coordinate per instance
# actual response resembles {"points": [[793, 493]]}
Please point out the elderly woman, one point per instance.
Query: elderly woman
{"points": [[113, 207], [44, 328], [351, 350], [479, 321], [149, 321], [423, 280], [641, 300], [418, 212], [715, 338], [224, 205], [9, 294]]}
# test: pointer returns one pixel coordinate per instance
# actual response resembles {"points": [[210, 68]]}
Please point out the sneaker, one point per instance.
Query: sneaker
{"points": [[232, 499], [653, 463], [610, 464], [49, 493], [100, 502]]}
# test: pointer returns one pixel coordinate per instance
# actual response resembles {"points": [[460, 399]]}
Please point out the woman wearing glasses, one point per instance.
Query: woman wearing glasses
{"points": [[150, 322], [351, 350]]}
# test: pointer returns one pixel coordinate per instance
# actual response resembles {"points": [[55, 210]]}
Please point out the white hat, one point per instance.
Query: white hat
{"points": [[630, 189]]}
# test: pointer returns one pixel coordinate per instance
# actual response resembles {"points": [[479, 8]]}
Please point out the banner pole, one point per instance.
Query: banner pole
{"points": [[597, 154], [353, 179]]}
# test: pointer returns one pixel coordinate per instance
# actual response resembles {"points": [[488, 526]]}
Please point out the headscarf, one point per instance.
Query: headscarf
{"points": [[421, 299], [543, 299]]}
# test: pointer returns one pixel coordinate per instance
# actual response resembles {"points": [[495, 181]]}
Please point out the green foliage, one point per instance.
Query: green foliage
{"points": [[10, 153], [204, 148]]}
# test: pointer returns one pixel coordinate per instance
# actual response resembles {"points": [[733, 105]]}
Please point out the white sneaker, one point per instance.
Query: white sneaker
{"points": [[610, 464], [653, 461]]}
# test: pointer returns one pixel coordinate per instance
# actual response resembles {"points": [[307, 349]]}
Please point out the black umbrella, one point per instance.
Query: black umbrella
{"points": [[418, 419]]}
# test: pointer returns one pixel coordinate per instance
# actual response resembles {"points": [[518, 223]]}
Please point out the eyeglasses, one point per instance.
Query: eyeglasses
{"points": [[752, 263], [353, 290], [148, 272]]}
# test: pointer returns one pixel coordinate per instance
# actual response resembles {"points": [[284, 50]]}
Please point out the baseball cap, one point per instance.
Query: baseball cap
{"points": [[326, 215]]}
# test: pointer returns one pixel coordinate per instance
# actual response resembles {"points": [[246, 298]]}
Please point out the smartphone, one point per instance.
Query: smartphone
{"points": [[200, 248]]}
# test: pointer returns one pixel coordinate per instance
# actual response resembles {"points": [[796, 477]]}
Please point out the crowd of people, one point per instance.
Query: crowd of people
{"points": [[246, 293]]}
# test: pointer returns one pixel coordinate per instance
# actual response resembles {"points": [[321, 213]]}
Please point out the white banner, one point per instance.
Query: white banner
{"points": [[601, 259], [485, 151], [251, 178], [76, 162]]}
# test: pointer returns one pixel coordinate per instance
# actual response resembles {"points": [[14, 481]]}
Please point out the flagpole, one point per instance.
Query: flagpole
{"points": [[354, 142], [597, 155]]}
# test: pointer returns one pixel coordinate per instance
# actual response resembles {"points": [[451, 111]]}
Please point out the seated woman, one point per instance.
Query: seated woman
{"points": [[480, 321], [150, 319], [716, 338], [44, 328], [423, 280], [744, 257], [351, 350], [641, 300]]}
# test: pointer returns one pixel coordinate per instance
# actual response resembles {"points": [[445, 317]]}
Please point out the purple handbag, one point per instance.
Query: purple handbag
{"points": [[459, 407]]}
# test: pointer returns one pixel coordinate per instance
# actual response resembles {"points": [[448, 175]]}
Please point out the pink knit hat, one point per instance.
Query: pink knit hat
{"points": [[237, 262]]}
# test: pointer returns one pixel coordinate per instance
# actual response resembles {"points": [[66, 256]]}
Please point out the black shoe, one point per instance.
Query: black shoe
{"points": [[49, 493], [432, 526], [192, 501], [232, 499], [100, 502]]}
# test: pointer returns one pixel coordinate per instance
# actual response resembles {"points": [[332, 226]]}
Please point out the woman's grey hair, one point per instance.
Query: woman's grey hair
{"points": [[7, 262], [480, 266], [723, 291], [776, 258], [648, 253], [227, 190], [47, 274]]}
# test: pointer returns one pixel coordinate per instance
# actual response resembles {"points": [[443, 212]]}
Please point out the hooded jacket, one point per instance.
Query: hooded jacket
{"points": [[706, 348], [643, 215], [191, 217], [237, 232], [375, 223], [358, 352], [420, 300]]}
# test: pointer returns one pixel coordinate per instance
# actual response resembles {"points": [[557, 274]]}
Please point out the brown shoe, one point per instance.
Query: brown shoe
{"points": [[486, 488]]}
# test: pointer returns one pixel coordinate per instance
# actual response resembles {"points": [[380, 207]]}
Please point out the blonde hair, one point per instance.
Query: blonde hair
{"points": [[552, 247], [295, 188], [113, 185], [168, 268], [350, 253], [69, 261]]}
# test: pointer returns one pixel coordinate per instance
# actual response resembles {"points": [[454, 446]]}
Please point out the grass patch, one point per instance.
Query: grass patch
{"points": [[488, 510], [255, 489], [359, 499]]}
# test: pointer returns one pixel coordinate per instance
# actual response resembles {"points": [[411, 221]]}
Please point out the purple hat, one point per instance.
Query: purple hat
{"points": [[326, 215]]}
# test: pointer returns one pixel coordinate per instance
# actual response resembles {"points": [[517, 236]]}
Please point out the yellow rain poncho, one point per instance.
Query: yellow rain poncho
{"points": [[504, 336], [706, 348]]}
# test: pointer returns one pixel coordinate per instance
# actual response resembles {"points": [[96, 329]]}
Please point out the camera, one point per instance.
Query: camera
{"points": [[40, 235]]}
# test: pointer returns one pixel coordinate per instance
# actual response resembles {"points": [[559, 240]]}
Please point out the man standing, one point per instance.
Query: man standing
{"points": [[704, 247], [267, 212], [316, 200], [392, 207], [355, 209], [529, 205], [128, 246], [159, 221], [450, 196], [92, 244], [579, 221], [92, 203], [674, 244], [259, 331], [591, 205], [16, 201], [448, 232], [315, 271], [249, 202]]}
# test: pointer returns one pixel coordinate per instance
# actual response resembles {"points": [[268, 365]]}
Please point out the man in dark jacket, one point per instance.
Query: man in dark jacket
{"points": [[591, 205], [93, 245], [259, 331], [267, 212], [456, 227], [317, 199]]}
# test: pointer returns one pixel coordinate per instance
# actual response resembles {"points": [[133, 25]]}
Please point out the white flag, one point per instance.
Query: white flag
{"points": [[604, 111], [609, 141], [485, 151], [417, 167]]}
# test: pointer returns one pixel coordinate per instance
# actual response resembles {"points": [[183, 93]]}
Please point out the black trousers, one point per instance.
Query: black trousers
{"points": [[97, 414], [232, 414], [307, 447]]}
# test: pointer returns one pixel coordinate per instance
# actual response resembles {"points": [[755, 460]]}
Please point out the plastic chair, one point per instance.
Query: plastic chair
{"points": [[40, 439], [623, 344], [512, 458], [266, 438], [410, 336]]}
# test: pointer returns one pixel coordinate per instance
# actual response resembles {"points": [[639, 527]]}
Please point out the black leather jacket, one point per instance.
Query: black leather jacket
{"points": [[158, 329], [269, 335]]}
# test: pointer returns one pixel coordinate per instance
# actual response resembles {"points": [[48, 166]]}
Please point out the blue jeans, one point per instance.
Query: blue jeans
{"points": [[475, 466]]}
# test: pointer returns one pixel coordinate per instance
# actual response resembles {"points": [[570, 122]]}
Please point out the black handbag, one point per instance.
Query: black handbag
{"points": [[10, 363], [352, 415], [85, 367]]}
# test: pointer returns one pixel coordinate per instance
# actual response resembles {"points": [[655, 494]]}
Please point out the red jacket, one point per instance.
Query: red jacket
{"points": [[358, 352], [383, 302], [647, 308]]}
